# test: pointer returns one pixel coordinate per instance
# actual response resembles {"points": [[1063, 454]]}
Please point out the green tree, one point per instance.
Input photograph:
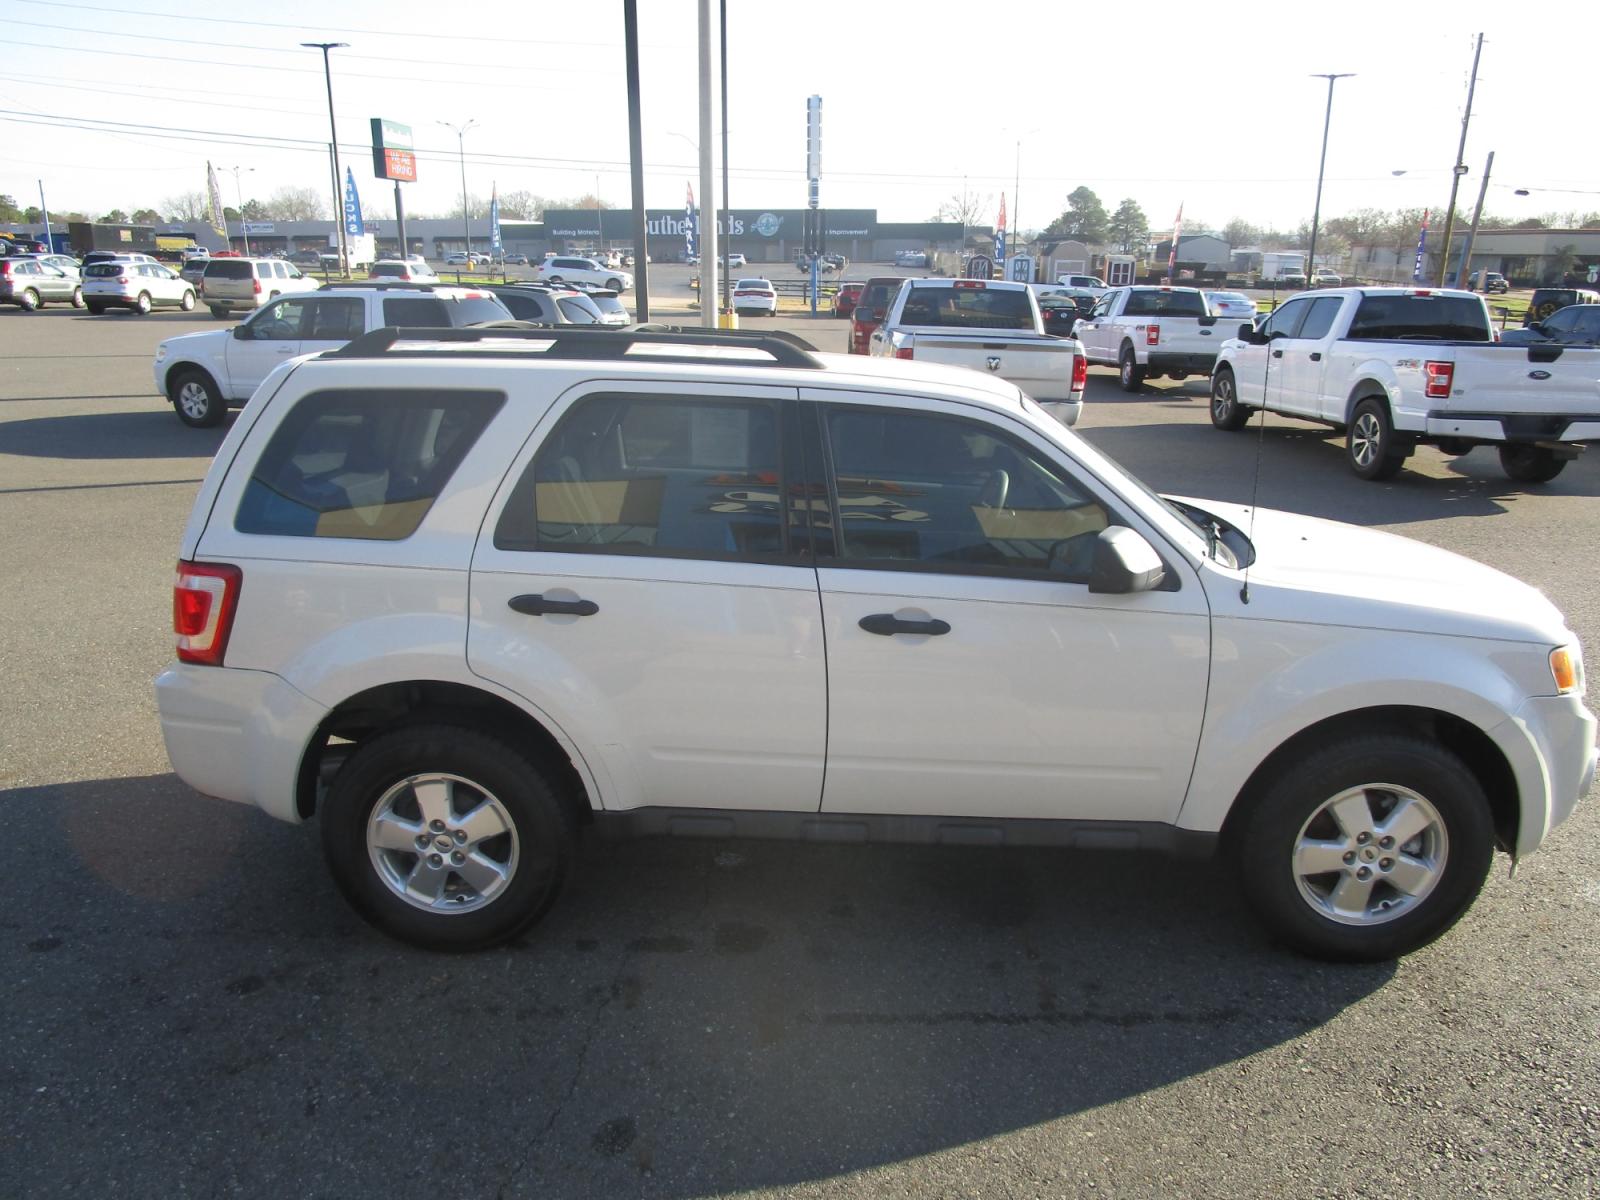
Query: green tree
{"points": [[32, 214], [1239, 233], [229, 213], [254, 210], [115, 217], [1128, 227], [8, 209], [146, 216], [1085, 218]]}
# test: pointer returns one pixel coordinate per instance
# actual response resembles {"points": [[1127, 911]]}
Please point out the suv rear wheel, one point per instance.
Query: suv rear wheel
{"points": [[446, 837]]}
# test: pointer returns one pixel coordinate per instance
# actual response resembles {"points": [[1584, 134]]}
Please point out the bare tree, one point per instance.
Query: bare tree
{"points": [[522, 206], [297, 204], [969, 208], [185, 206]]}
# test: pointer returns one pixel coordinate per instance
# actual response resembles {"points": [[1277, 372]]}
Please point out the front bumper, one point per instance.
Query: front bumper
{"points": [[1554, 760], [237, 735]]}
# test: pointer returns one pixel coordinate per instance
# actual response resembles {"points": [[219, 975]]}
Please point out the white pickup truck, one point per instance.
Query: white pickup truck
{"points": [[1395, 368], [1145, 331], [989, 325]]}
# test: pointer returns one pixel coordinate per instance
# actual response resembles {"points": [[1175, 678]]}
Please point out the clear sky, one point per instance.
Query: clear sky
{"points": [[1210, 106]]}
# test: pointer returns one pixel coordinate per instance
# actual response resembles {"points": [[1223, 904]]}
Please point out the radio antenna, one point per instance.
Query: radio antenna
{"points": [[1255, 483]]}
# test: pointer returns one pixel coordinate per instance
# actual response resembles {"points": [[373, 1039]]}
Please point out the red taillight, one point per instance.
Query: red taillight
{"points": [[1421, 292], [1439, 375], [1080, 372], [255, 285], [968, 283], [1152, 335], [902, 352], [204, 599], [5, 269], [122, 279]]}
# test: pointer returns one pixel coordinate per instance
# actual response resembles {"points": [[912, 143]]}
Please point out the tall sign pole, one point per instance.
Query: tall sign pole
{"points": [[1322, 164], [641, 231], [814, 191], [708, 229], [394, 157], [1460, 169]]}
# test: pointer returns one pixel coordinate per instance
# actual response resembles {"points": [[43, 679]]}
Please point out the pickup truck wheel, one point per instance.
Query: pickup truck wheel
{"points": [[1131, 373], [1370, 442], [196, 398], [220, 314], [1226, 411], [1530, 464], [1365, 849], [445, 837]]}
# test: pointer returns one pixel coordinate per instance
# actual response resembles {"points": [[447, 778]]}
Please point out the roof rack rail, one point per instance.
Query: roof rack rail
{"points": [[398, 285], [670, 343]]}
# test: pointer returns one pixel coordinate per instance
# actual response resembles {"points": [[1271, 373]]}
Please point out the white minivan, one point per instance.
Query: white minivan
{"points": [[465, 594]]}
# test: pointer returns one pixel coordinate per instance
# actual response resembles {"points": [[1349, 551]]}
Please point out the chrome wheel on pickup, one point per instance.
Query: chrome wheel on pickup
{"points": [[1370, 443], [1226, 411]]}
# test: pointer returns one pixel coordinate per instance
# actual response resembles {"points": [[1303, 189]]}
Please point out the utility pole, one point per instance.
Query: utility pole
{"points": [[1477, 215], [333, 146], [641, 228], [1460, 168], [1316, 211], [727, 213], [708, 231]]}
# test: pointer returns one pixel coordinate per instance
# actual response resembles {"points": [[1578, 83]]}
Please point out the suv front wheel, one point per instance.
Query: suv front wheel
{"points": [[446, 837], [1365, 849]]}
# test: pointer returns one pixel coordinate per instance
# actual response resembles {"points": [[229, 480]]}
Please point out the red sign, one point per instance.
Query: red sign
{"points": [[399, 164]]}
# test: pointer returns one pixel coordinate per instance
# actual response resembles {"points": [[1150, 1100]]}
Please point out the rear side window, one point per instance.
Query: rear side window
{"points": [[655, 476], [1434, 318], [580, 310], [1165, 304], [362, 464], [474, 310], [968, 308], [415, 311], [229, 268]]}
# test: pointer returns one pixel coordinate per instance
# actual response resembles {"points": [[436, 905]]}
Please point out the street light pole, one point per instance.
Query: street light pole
{"points": [[239, 191], [333, 135], [461, 151], [1459, 169], [1316, 211]]}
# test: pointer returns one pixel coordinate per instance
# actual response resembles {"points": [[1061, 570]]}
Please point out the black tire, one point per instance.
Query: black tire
{"points": [[196, 398], [77, 297], [95, 310], [1130, 373], [220, 314], [1455, 447], [528, 796], [29, 300], [614, 284], [1370, 443], [142, 304], [187, 303], [1264, 841], [1530, 464], [1226, 412], [555, 279]]}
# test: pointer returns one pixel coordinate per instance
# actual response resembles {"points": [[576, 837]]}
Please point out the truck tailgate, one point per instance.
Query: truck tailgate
{"points": [[1040, 366], [1545, 392], [1186, 335]]}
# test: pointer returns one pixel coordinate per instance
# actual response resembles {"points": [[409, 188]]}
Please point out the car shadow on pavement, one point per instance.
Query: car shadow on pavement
{"points": [[1303, 469], [691, 1018], [111, 435]]}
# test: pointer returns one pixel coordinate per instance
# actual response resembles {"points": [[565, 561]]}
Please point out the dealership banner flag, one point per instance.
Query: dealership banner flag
{"points": [[214, 202], [354, 226], [1422, 249], [1172, 254], [494, 219], [1000, 232], [689, 231]]}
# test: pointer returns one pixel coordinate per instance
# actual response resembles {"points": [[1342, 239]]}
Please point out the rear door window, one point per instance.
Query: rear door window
{"points": [[362, 464], [1319, 320]]}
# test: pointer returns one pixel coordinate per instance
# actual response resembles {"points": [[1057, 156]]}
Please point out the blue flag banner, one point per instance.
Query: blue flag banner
{"points": [[354, 226], [1422, 250], [494, 223]]}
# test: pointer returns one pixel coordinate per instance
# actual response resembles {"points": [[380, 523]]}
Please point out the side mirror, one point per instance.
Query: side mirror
{"points": [[241, 331], [1538, 327], [1253, 336], [1124, 562]]}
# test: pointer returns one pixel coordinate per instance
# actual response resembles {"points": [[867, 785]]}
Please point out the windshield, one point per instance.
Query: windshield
{"points": [[968, 308], [1430, 318]]}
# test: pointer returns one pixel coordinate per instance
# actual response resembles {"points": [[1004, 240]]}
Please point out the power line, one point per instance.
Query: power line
{"points": [[438, 62], [301, 27]]}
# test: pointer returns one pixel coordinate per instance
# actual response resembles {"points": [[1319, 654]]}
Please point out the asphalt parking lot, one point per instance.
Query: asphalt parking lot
{"points": [[191, 1009]]}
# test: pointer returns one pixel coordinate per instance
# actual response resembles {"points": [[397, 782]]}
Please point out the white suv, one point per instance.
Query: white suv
{"points": [[462, 593], [565, 269]]}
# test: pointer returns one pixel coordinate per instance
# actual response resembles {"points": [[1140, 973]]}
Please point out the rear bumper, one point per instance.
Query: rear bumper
{"points": [[237, 735], [1516, 427], [1189, 364], [1065, 411]]}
